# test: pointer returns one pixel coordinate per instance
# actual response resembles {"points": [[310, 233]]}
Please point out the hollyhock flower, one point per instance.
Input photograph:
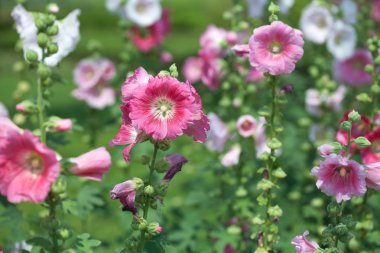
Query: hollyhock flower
{"points": [[87, 73], [113, 5], [67, 38], [241, 50], [303, 245], [218, 134], [212, 40], [352, 70], [27, 167], [212, 72], [167, 113], [192, 69], [246, 125], [340, 177], [254, 75], [335, 100], [62, 125], [360, 128], [341, 41], [126, 193], [92, 165], [232, 157], [325, 150], [138, 79], [175, 161], [229, 249], [350, 10], [373, 175], [261, 139], [154, 34], [21, 247], [275, 48], [376, 10], [3, 111], [313, 101], [143, 12], [316, 22], [166, 57], [372, 154], [107, 69], [256, 8], [98, 97]]}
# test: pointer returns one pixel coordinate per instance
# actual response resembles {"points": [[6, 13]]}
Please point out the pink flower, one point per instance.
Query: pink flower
{"points": [[352, 71], [107, 69], [212, 71], [376, 10], [155, 34], [229, 249], [139, 78], [246, 125], [192, 69], [27, 167], [241, 50], [275, 48], [166, 57], [3, 111], [126, 193], [340, 177], [373, 175], [325, 150], [371, 154], [218, 134], [254, 75], [360, 128], [261, 138], [63, 125], [303, 245], [232, 157], [92, 165], [175, 161], [334, 101], [97, 97], [212, 40], [87, 73], [164, 108]]}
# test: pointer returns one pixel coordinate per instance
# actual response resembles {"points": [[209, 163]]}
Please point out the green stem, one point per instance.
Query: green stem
{"points": [[348, 143], [53, 223], [147, 198], [40, 109]]}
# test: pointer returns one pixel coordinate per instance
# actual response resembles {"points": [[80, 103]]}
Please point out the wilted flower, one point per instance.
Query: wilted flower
{"points": [[241, 50], [275, 48], [28, 167], [143, 12], [246, 125], [126, 193], [92, 165], [303, 245], [316, 22], [341, 41], [229, 249], [352, 70], [340, 177], [175, 161], [218, 133], [232, 157]]}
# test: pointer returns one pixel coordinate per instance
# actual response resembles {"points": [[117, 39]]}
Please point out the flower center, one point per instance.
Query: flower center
{"points": [[163, 109], [275, 47], [321, 22], [34, 163], [89, 74], [247, 125], [141, 7], [343, 171]]}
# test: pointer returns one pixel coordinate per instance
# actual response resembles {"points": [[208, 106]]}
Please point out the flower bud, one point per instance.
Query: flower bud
{"points": [[346, 126], [138, 182], [40, 24], [274, 144], [275, 211], [364, 97], [354, 116], [279, 173], [52, 30], [52, 8], [144, 159], [154, 228], [50, 19], [362, 142], [52, 48], [64, 233], [163, 145], [149, 190], [31, 55], [375, 89], [42, 39], [43, 71], [26, 107], [173, 70], [142, 225]]}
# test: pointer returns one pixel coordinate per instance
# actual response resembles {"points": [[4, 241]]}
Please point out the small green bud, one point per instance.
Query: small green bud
{"points": [[164, 73], [369, 68], [333, 209], [163, 145], [64, 233], [341, 229], [372, 48], [364, 97], [234, 230], [275, 211], [154, 228], [227, 15], [362, 142], [279, 173], [375, 89], [40, 24], [377, 61], [274, 8], [149, 190], [42, 39], [274, 144], [264, 185], [354, 116], [31, 55], [50, 19], [138, 182], [142, 225], [346, 126], [241, 192], [173, 70], [43, 71], [52, 30], [257, 220], [52, 48], [144, 159], [337, 147]]}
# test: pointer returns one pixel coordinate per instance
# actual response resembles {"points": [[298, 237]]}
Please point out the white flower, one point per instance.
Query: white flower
{"points": [[256, 8], [143, 12], [67, 37], [341, 41], [3, 111], [285, 5], [113, 5], [316, 23], [350, 11], [232, 157]]}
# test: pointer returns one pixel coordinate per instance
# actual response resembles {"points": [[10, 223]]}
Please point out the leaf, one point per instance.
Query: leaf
{"points": [[40, 241], [88, 199], [85, 244]]}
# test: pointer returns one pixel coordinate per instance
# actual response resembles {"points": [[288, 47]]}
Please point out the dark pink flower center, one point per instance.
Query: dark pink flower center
{"points": [[275, 47], [247, 125], [163, 108], [34, 163]]}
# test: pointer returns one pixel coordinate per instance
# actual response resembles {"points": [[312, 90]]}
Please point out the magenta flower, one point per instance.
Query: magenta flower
{"points": [[139, 78], [246, 125], [352, 70], [126, 193], [376, 10], [27, 167], [232, 157], [212, 71], [303, 245], [371, 154], [192, 69], [275, 48], [212, 40], [175, 161], [254, 75], [92, 165], [218, 134], [373, 175], [340, 177]]}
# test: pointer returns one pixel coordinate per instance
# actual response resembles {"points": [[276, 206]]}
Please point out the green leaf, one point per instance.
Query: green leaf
{"points": [[85, 244], [40, 241]]}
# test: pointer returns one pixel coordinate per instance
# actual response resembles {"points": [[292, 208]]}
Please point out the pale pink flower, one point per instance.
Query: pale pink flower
{"points": [[376, 10], [373, 175], [325, 150], [92, 165], [87, 73], [218, 134], [246, 125], [212, 71], [352, 70], [303, 245], [313, 101], [154, 34], [166, 57], [63, 125], [241, 50], [126, 193], [232, 157], [261, 138], [3, 111], [212, 40], [97, 97], [175, 161], [340, 177], [192, 69], [276, 48], [107, 69], [254, 75], [27, 167], [335, 100]]}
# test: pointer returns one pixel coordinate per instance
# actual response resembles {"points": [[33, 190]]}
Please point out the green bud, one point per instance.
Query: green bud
{"points": [[264, 185], [317, 202], [377, 61], [52, 30], [369, 68], [264, 113], [161, 166], [275, 211], [227, 15], [164, 73], [279, 173], [31, 55], [50, 19], [241, 192], [337, 147], [26, 106], [40, 24], [274, 144], [64, 233], [354, 116], [341, 229], [234, 230], [52, 48], [362, 142], [375, 88], [372, 48], [43, 71], [42, 39], [149, 190], [346, 126], [154, 228], [138, 182], [144, 159], [273, 8], [333, 209], [142, 225], [173, 70], [163, 145], [257, 220], [364, 97]]}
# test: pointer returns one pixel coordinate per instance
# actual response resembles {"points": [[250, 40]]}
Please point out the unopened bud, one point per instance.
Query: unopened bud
{"points": [[42, 39]]}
